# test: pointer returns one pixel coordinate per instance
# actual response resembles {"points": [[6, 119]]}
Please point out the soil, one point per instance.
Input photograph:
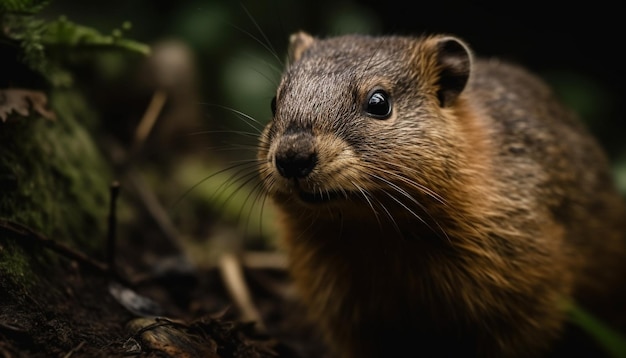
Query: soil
{"points": [[80, 311]]}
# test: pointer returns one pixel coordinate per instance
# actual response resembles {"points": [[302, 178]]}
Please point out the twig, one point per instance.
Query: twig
{"points": [[153, 207], [149, 119], [112, 224], [265, 260], [136, 186], [74, 350], [15, 229], [133, 178], [232, 275], [12, 328]]}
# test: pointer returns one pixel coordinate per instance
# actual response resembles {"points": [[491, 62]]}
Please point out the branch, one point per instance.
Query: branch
{"points": [[17, 230]]}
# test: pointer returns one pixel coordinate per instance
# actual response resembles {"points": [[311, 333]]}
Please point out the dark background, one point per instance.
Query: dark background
{"points": [[577, 47]]}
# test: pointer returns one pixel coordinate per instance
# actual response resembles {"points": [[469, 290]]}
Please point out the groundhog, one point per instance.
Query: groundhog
{"points": [[437, 204]]}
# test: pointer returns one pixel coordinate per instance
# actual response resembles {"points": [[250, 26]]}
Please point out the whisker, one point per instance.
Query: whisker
{"points": [[193, 187], [241, 181], [226, 146], [390, 216], [407, 208], [369, 202], [413, 183], [369, 61], [275, 69], [255, 189], [249, 120], [229, 148], [267, 44], [312, 221], [248, 170], [235, 185], [223, 131], [428, 192], [416, 202], [264, 195]]}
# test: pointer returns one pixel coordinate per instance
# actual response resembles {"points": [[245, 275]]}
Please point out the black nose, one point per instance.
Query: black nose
{"points": [[295, 164], [295, 155]]}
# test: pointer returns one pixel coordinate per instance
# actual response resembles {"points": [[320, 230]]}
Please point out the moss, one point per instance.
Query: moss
{"points": [[54, 179], [15, 264]]}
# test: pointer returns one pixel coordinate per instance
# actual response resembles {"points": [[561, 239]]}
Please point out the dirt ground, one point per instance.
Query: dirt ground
{"points": [[79, 311]]}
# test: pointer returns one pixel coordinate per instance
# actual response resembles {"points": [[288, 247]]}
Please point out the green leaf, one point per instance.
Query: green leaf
{"points": [[22, 6], [609, 339], [64, 33]]}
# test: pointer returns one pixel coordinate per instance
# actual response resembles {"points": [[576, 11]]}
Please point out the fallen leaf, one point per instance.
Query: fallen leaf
{"points": [[22, 101]]}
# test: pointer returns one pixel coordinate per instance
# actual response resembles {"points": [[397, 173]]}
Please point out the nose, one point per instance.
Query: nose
{"points": [[295, 156], [295, 165]]}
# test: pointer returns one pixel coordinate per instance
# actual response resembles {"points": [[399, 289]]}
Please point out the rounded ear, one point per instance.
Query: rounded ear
{"points": [[455, 62], [298, 43]]}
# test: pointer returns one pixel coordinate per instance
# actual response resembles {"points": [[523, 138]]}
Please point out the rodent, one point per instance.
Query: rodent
{"points": [[434, 201]]}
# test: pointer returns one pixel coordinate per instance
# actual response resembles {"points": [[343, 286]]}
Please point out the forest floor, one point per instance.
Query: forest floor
{"points": [[175, 311]]}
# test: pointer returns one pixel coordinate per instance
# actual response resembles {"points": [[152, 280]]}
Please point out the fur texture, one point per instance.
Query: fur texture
{"points": [[460, 223]]}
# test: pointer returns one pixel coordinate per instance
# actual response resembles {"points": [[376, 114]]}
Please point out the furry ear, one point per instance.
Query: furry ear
{"points": [[455, 62], [298, 43]]}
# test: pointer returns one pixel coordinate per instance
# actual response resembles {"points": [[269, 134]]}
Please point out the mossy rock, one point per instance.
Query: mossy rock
{"points": [[53, 179]]}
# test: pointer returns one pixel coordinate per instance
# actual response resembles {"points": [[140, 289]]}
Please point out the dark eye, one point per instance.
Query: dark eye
{"points": [[378, 104]]}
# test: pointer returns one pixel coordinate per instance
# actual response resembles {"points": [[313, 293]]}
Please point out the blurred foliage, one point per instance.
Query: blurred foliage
{"points": [[44, 45], [240, 46], [230, 195], [612, 341], [23, 6], [64, 33]]}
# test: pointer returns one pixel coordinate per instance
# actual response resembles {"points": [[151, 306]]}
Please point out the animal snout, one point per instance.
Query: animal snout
{"points": [[295, 155]]}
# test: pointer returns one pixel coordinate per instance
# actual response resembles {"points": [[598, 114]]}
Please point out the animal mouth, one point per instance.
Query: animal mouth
{"points": [[310, 195], [321, 197]]}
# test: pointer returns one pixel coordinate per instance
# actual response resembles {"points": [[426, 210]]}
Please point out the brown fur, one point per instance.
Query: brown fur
{"points": [[461, 223]]}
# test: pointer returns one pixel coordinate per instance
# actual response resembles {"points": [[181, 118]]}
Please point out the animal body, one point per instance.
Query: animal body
{"points": [[432, 201]]}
